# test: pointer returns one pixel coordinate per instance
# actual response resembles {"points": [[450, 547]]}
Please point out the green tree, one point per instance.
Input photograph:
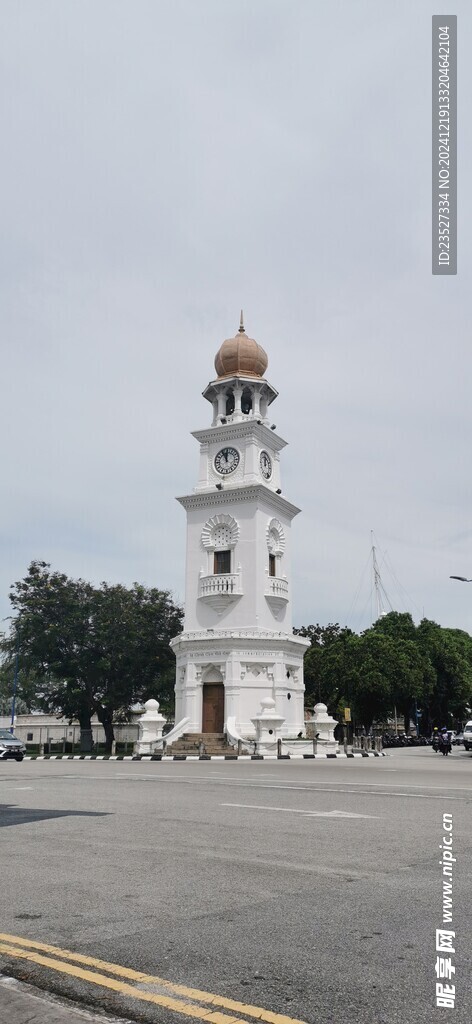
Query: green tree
{"points": [[370, 665], [323, 665], [26, 689], [412, 675], [449, 652], [394, 664], [92, 650], [398, 625]]}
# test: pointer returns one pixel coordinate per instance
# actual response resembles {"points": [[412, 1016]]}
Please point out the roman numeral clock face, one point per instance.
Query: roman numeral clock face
{"points": [[226, 461], [266, 465]]}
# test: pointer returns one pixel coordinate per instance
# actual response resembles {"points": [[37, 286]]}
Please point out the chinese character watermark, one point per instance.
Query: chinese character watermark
{"points": [[446, 993]]}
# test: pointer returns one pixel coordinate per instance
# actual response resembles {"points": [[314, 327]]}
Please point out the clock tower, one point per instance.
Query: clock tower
{"points": [[238, 646]]}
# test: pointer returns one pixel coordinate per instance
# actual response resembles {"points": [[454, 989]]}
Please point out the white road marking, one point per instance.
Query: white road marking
{"points": [[306, 814], [265, 775], [14, 789], [254, 784], [265, 785]]}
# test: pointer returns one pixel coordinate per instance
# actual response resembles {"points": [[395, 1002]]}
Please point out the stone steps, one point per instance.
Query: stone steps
{"points": [[214, 743]]}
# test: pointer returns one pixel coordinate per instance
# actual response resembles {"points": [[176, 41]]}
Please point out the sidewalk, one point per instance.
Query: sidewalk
{"points": [[23, 1004]]}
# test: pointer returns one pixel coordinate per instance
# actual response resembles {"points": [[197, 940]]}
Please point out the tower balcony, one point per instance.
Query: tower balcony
{"points": [[277, 586], [277, 594], [220, 590]]}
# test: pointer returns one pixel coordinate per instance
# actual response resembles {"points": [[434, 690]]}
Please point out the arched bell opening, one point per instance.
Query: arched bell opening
{"points": [[246, 401], [229, 401]]}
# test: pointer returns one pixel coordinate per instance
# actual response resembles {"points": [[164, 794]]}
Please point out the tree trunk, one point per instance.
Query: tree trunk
{"points": [[85, 732], [109, 736], [105, 717]]}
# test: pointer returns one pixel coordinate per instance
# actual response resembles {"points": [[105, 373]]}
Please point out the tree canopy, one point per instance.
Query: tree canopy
{"points": [[393, 665], [91, 650]]}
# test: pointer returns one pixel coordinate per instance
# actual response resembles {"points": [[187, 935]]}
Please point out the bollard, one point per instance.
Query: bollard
{"points": [[315, 743], [164, 747], [279, 748], [240, 746], [345, 740]]}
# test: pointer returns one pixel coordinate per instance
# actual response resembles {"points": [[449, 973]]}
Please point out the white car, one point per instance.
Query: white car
{"points": [[468, 735], [10, 746]]}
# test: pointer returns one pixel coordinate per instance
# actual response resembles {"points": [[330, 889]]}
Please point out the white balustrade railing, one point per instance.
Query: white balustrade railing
{"points": [[277, 587], [220, 583]]}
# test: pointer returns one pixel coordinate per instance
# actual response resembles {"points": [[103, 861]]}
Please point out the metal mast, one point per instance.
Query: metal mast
{"points": [[379, 588]]}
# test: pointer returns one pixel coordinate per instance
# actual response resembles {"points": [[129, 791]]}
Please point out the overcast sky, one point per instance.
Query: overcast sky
{"points": [[165, 162]]}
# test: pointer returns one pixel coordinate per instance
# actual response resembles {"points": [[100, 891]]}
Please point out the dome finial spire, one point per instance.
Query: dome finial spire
{"points": [[241, 323]]}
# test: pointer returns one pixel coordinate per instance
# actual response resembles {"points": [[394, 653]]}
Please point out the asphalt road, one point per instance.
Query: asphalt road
{"points": [[308, 889]]}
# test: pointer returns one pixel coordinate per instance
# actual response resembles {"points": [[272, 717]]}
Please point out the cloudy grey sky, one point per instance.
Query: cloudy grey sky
{"points": [[166, 162]]}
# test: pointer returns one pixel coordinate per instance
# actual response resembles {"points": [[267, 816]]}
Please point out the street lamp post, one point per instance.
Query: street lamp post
{"points": [[418, 715], [15, 687], [15, 678], [462, 579]]}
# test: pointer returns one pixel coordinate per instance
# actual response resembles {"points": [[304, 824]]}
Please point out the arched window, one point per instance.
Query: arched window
{"points": [[275, 537], [246, 401], [219, 537], [276, 545]]}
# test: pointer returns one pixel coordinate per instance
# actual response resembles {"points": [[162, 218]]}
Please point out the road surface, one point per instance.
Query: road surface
{"points": [[236, 891]]}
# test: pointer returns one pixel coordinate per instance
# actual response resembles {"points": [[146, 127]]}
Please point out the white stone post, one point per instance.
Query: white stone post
{"points": [[324, 725], [268, 726], [150, 727]]}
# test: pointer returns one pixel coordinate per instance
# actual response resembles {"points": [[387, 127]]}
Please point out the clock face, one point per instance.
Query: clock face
{"points": [[226, 461], [265, 463]]}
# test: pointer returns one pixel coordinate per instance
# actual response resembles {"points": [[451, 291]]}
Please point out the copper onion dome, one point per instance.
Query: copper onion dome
{"points": [[241, 355]]}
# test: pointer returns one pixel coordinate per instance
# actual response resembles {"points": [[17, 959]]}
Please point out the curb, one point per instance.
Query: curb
{"points": [[201, 757], [21, 1002]]}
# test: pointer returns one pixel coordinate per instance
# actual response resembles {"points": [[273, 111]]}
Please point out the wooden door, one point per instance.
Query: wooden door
{"points": [[213, 717]]}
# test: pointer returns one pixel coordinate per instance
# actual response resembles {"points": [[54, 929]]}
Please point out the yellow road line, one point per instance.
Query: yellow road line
{"points": [[9, 943], [189, 1009]]}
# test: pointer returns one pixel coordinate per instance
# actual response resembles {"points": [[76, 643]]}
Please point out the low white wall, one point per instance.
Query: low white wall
{"points": [[38, 729]]}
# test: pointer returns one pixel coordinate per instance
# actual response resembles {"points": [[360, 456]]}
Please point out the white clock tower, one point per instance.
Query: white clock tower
{"points": [[238, 646]]}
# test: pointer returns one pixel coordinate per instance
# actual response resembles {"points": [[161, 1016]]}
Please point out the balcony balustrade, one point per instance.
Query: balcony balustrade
{"points": [[220, 589], [277, 586]]}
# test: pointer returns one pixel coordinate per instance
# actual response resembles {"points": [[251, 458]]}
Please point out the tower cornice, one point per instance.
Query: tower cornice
{"points": [[239, 380], [231, 495], [242, 429]]}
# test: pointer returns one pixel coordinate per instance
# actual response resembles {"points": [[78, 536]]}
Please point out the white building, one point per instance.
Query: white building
{"points": [[238, 645]]}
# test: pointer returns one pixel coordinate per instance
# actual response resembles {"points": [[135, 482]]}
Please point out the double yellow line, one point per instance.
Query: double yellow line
{"points": [[190, 1003]]}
